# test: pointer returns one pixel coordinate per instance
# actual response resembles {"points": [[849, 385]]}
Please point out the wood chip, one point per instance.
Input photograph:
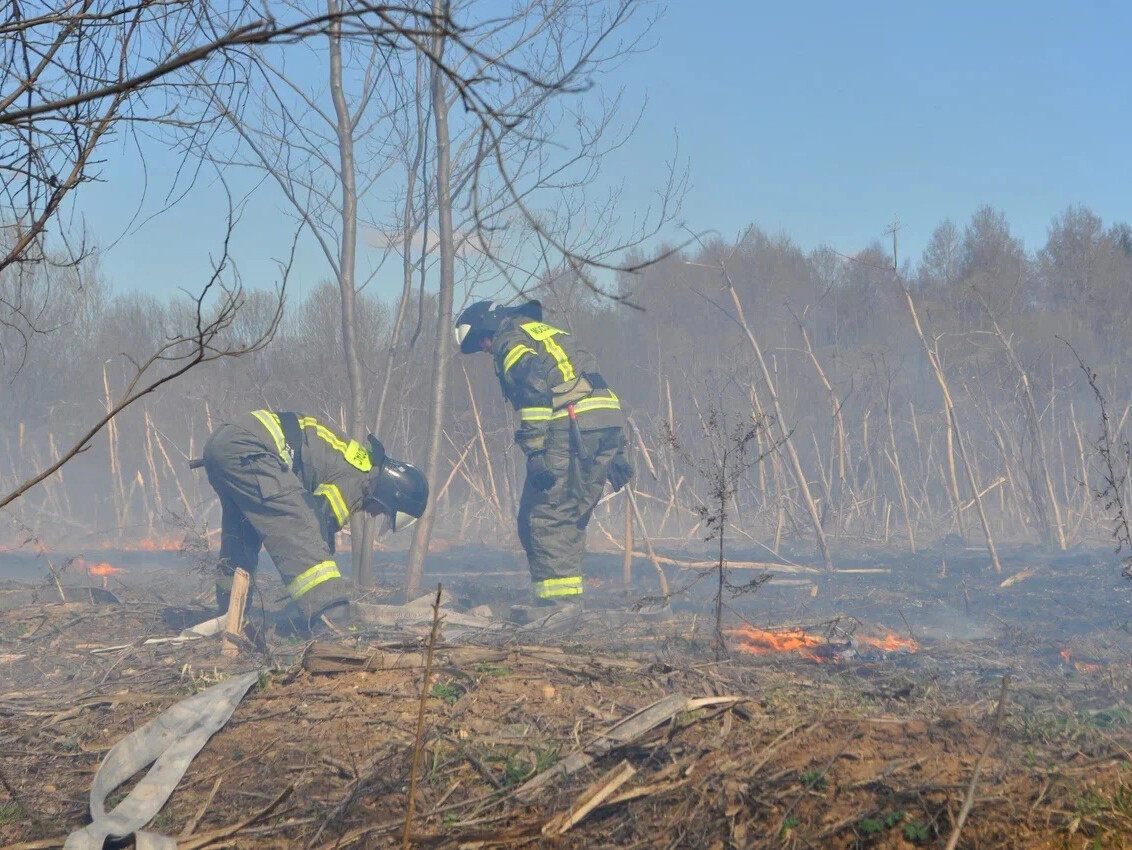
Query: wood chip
{"points": [[590, 799]]}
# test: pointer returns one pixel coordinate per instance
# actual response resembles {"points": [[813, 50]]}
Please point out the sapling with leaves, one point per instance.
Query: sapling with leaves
{"points": [[733, 449]]}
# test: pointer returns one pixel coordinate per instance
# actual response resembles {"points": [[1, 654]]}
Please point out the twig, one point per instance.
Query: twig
{"points": [[824, 771], [969, 800], [417, 743], [192, 824], [227, 831]]}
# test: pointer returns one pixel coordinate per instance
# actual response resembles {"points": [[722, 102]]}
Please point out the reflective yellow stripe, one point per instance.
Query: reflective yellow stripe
{"points": [[535, 414], [546, 414], [312, 578], [610, 402], [271, 423], [337, 503], [513, 356], [352, 451], [555, 587], [564, 364], [545, 334]]}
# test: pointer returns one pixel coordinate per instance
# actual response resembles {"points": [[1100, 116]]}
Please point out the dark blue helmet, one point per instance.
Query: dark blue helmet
{"points": [[481, 320]]}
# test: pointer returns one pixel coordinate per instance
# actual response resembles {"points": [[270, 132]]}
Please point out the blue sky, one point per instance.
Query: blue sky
{"points": [[822, 121]]}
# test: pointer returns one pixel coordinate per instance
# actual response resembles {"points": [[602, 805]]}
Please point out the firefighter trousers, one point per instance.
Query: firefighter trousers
{"points": [[264, 504], [552, 523]]}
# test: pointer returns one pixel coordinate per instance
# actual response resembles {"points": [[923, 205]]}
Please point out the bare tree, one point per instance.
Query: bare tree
{"points": [[422, 531]]}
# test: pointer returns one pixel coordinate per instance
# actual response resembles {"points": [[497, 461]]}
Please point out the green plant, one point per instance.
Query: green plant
{"points": [[491, 670], [814, 780], [10, 813], [875, 826], [916, 832], [515, 770], [446, 691], [262, 681], [165, 821], [788, 824], [545, 759]]}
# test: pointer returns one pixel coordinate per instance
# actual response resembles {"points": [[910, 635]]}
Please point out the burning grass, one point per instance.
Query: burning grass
{"points": [[873, 751], [755, 641]]}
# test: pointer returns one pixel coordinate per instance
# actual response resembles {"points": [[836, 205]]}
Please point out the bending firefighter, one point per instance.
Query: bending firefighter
{"points": [[572, 432], [288, 483]]}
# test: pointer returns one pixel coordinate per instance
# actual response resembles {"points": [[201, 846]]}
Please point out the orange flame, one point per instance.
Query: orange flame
{"points": [[890, 643], [101, 569], [1079, 666], [763, 642]]}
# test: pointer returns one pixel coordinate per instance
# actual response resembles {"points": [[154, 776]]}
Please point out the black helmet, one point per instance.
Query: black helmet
{"points": [[481, 320], [398, 490]]}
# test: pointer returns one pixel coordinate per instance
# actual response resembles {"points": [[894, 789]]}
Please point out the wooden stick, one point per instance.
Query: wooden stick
{"points": [[235, 622], [648, 543], [627, 557], [590, 799], [969, 800], [418, 738], [191, 826]]}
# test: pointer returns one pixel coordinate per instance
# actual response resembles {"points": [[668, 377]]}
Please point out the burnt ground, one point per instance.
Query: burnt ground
{"points": [[867, 749]]}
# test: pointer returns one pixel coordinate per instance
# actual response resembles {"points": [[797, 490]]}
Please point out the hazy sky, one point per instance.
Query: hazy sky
{"points": [[819, 120]]}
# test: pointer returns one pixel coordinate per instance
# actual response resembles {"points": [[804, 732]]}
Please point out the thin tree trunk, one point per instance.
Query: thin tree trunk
{"points": [[786, 436], [1043, 488], [953, 429], [363, 569], [347, 259], [423, 529]]}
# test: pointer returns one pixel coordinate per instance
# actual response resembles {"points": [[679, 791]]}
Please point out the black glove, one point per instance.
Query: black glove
{"points": [[620, 471], [538, 473]]}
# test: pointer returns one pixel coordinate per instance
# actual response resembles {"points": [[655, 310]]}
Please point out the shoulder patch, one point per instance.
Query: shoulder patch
{"points": [[540, 330]]}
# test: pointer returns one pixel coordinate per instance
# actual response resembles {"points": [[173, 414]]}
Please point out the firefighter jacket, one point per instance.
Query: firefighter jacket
{"points": [[334, 469], [543, 372]]}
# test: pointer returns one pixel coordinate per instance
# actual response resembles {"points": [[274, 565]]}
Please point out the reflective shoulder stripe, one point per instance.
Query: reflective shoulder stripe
{"points": [[536, 414], [545, 334], [337, 503], [513, 356], [554, 587], [271, 422], [312, 578], [353, 451], [559, 354], [541, 331]]}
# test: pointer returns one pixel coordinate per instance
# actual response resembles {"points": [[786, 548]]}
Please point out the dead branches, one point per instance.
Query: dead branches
{"points": [[969, 799], [418, 738]]}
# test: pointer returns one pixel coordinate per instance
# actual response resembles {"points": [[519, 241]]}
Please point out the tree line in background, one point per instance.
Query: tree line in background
{"points": [[901, 403]]}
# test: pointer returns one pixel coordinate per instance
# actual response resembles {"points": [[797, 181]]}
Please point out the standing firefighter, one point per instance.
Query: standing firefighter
{"points": [[288, 483], [572, 432]]}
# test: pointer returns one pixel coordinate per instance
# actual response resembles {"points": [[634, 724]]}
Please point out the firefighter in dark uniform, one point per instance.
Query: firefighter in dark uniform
{"points": [[571, 431], [289, 483]]}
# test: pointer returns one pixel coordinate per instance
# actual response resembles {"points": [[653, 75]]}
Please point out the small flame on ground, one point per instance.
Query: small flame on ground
{"points": [[100, 569], [889, 643], [1079, 666], [763, 642]]}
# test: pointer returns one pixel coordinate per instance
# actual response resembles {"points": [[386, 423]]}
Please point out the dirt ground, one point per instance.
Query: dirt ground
{"points": [[868, 749]]}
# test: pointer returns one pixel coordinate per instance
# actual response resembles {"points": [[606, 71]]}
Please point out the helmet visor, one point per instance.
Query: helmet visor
{"points": [[462, 332], [396, 521]]}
